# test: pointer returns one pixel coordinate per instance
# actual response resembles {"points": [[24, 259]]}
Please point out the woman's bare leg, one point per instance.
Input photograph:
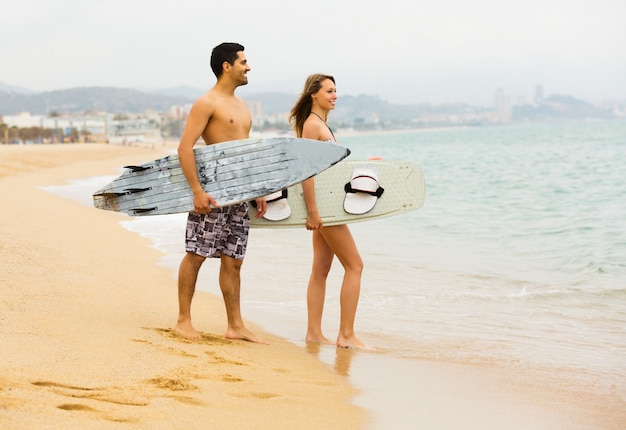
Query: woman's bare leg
{"points": [[340, 241], [316, 290]]}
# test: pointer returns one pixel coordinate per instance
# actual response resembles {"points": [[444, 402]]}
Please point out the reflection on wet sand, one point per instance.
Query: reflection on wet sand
{"points": [[343, 357]]}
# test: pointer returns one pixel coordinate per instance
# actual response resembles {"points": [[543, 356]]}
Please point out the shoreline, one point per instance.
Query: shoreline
{"points": [[382, 391]]}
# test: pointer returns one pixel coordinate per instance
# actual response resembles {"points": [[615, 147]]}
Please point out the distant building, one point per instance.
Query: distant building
{"points": [[503, 106], [179, 112], [256, 110], [147, 128], [23, 120], [83, 124], [134, 130], [539, 97]]}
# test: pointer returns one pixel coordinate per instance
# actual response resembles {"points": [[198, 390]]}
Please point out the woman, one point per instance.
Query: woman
{"points": [[309, 115]]}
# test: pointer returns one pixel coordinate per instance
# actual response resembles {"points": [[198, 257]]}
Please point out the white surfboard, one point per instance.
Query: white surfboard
{"points": [[350, 191], [231, 172]]}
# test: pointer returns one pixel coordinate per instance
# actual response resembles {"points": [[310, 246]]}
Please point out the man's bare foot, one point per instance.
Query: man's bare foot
{"points": [[244, 334], [351, 343], [186, 330]]}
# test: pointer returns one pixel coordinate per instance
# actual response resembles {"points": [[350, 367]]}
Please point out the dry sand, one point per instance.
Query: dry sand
{"points": [[86, 342], [86, 317]]}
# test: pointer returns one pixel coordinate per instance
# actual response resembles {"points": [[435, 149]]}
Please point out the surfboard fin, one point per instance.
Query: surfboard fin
{"points": [[143, 210], [134, 190], [135, 169]]}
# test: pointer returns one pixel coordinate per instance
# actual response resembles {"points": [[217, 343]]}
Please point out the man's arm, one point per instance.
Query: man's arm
{"points": [[197, 121]]}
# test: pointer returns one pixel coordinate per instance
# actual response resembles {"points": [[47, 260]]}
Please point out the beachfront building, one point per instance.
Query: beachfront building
{"points": [[127, 131], [60, 129], [93, 127]]}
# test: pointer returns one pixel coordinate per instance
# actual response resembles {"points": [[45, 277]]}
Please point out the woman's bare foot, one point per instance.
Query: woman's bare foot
{"points": [[351, 342], [318, 338]]}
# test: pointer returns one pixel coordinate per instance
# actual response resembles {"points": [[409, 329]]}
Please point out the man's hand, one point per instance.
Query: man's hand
{"points": [[202, 203], [261, 207]]}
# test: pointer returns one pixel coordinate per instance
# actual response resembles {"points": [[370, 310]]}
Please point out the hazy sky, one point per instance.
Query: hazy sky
{"points": [[405, 51]]}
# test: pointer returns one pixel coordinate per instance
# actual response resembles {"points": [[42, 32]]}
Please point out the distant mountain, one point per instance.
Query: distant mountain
{"points": [[273, 102], [84, 99], [190, 93], [350, 107], [362, 109], [14, 89], [560, 107]]}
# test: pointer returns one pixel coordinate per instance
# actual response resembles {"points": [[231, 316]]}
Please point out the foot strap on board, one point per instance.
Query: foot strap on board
{"points": [[362, 192]]}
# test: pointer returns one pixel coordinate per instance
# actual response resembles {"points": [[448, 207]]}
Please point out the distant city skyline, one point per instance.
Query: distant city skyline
{"points": [[403, 51]]}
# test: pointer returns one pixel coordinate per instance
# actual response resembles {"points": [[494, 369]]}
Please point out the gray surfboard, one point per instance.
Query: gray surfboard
{"points": [[399, 187], [231, 172]]}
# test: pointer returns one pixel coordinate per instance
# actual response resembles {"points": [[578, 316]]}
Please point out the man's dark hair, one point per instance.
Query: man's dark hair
{"points": [[226, 51]]}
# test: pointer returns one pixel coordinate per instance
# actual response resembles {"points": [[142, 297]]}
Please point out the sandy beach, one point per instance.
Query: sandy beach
{"points": [[86, 341], [86, 317]]}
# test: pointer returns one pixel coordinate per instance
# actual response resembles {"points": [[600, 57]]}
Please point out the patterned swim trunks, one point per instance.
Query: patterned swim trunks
{"points": [[224, 231]]}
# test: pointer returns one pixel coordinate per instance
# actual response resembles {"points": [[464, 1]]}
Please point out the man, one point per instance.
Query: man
{"points": [[217, 116]]}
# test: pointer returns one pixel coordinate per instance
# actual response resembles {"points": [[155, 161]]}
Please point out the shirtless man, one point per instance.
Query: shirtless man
{"points": [[217, 116]]}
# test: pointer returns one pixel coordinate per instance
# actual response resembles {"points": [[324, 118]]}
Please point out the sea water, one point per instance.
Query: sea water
{"points": [[518, 255]]}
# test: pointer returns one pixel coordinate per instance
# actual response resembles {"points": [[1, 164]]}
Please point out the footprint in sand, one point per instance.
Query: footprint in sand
{"points": [[76, 407], [206, 338], [110, 395], [173, 384], [217, 359]]}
